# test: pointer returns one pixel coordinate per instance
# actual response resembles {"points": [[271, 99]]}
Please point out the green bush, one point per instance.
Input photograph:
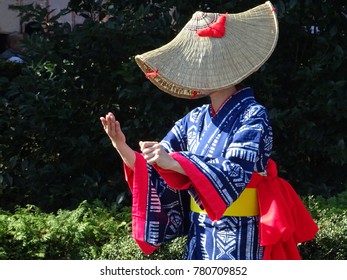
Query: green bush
{"points": [[91, 231], [79, 234], [124, 248], [96, 231], [331, 240]]}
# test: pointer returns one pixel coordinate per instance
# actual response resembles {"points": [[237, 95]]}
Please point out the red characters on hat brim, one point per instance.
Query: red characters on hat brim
{"points": [[215, 30]]}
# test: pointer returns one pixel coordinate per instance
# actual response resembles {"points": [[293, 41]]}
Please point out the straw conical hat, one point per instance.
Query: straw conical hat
{"points": [[193, 62]]}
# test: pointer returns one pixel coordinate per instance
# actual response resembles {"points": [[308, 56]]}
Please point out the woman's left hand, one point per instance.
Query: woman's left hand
{"points": [[154, 153]]}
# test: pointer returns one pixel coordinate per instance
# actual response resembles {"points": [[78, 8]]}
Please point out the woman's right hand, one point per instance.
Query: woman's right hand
{"points": [[115, 133], [113, 130]]}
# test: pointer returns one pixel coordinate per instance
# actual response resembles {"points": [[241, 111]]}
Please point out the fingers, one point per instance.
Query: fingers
{"points": [[110, 124], [150, 157], [147, 144], [154, 153], [108, 121], [151, 150]]}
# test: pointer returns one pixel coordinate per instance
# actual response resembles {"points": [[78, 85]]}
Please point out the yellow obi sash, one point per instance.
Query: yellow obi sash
{"points": [[245, 205]]}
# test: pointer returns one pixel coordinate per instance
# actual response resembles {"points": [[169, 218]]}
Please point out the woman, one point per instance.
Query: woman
{"points": [[204, 165]]}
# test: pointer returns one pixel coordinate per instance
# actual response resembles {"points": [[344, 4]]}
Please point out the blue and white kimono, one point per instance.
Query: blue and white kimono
{"points": [[219, 152]]}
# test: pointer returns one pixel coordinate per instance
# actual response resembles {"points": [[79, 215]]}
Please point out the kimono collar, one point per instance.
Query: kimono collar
{"points": [[233, 99]]}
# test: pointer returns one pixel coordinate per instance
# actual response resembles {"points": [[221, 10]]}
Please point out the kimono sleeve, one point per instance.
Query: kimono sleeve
{"points": [[159, 213]]}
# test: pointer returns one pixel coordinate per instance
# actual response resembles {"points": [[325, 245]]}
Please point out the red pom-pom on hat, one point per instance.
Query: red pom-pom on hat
{"points": [[215, 30]]}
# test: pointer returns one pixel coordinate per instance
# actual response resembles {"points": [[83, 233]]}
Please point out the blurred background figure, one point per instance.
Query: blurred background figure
{"points": [[13, 50]]}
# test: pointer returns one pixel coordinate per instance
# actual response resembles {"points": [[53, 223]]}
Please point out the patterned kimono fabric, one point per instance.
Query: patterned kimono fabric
{"points": [[219, 153]]}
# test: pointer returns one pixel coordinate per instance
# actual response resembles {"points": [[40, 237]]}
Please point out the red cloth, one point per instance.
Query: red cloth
{"points": [[284, 219], [138, 184]]}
